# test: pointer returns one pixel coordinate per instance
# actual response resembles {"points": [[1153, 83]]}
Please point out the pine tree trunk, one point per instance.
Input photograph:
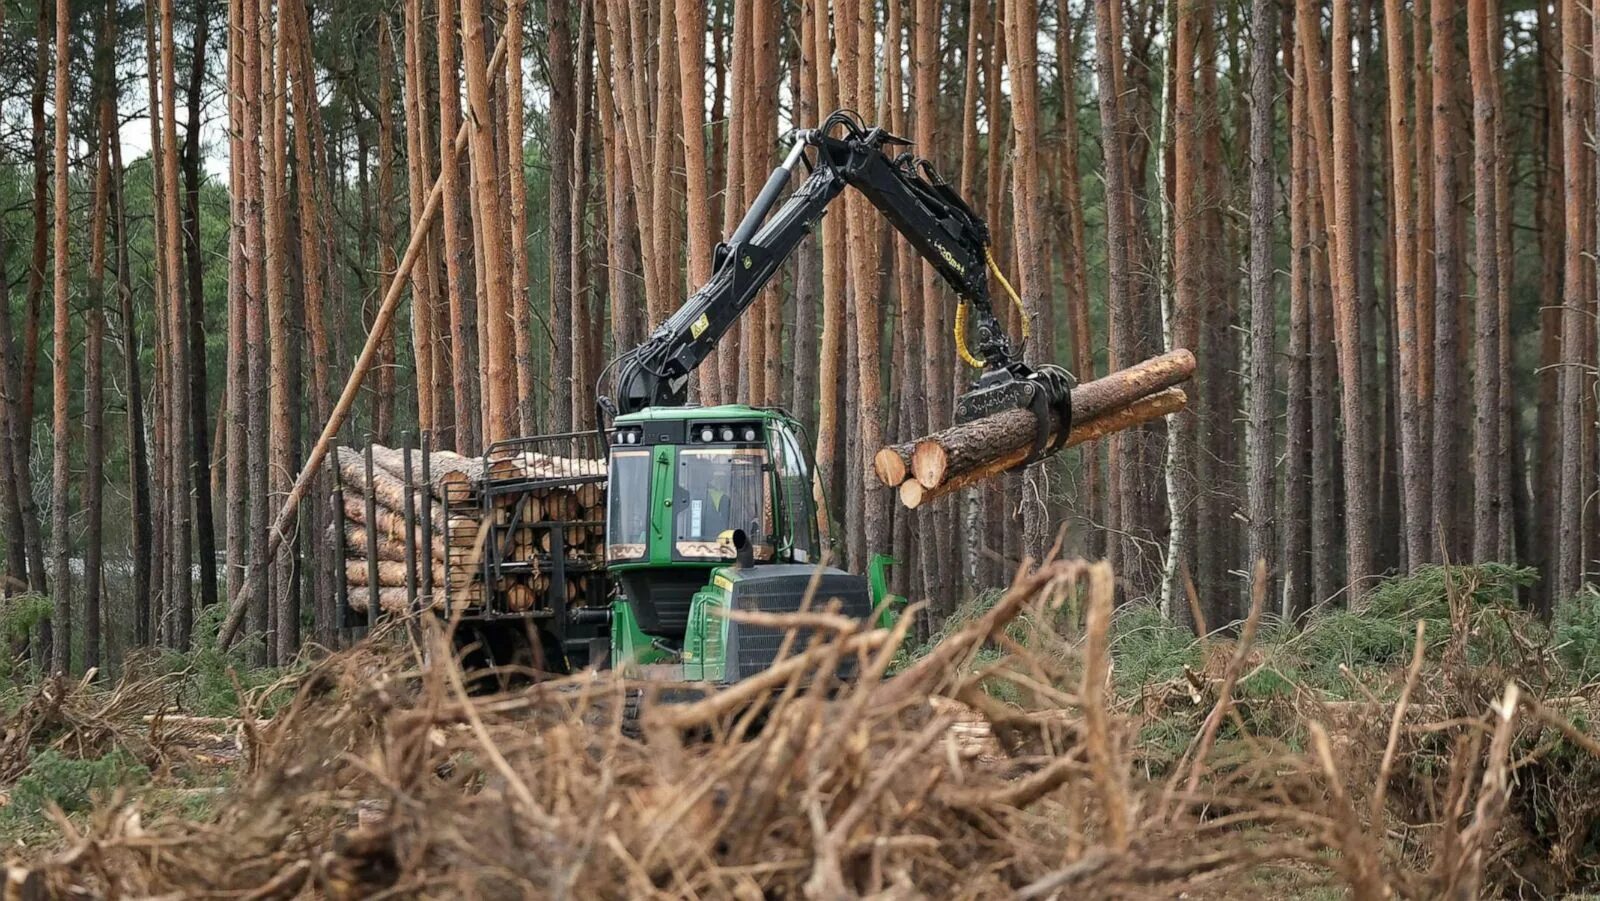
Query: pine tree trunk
{"points": [[41, 216], [1263, 309], [1360, 476], [61, 428], [501, 365], [1022, 26], [458, 254], [1189, 276], [255, 321], [1569, 510], [1422, 110], [385, 382], [584, 326], [1447, 279], [521, 302], [199, 392], [419, 176], [1545, 549], [139, 501], [1295, 521], [94, 445], [1414, 471], [1487, 488], [830, 383], [560, 53]]}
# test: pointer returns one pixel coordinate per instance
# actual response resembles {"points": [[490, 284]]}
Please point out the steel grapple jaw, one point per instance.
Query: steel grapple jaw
{"points": [[1044, 390]]}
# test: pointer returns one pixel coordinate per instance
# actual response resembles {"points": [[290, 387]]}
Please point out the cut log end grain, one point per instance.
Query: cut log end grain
{"points": [[891, 463]]}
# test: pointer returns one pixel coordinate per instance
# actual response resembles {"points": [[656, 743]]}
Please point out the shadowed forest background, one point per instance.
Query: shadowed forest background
{"points": [[1373, 222]]}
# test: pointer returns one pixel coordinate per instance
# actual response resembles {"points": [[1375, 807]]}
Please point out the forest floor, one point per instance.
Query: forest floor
{"points": [[1042, 745]]}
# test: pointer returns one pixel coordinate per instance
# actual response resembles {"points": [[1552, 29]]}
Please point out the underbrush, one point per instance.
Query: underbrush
{"points": [[165, 731], [1041, 745]]}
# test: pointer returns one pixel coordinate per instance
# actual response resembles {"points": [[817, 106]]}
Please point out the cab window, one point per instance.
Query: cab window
{"points": [[628, 505], [719, 490], [794, 496]]}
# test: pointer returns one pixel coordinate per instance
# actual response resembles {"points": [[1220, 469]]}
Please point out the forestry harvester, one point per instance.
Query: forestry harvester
{"points": [[621, 547]]}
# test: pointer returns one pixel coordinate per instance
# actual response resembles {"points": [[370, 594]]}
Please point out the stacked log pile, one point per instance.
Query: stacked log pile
{"points": [[963, 455], [387, 528], [521, 504]]}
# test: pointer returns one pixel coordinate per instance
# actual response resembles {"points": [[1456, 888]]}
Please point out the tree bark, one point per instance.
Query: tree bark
{"points": [[1120, 303], [419, 174], [913, 493], [61, 428], [1414, 471], [1447, 280], [521, 303], [1360, 476], [1297, 419], [139, 501], [41, 216], [1569, 512], [1263, 308], [1028, 214], [458, 255], [968, 445], [830, 396], [1487, 489], [94, 348], [559, 51], [501, 365], [1189, 246]]}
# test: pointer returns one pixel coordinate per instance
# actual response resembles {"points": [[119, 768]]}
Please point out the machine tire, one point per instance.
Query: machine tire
{"points": [[632, 711]]}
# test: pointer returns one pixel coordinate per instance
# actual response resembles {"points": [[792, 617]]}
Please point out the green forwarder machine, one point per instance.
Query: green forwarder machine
{"points": [[709, 509]]}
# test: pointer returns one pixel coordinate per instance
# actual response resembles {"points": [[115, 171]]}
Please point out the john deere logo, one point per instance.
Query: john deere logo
{"points": [[748, 262], [948, 257]]}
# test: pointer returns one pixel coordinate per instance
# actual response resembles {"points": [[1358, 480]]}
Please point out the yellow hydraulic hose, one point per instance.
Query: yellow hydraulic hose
{"points": [[961, 314]]}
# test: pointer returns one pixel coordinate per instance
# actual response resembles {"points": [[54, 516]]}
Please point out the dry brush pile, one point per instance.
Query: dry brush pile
{"points": [[1000, 763]]}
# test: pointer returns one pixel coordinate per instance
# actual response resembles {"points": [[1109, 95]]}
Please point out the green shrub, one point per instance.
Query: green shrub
{"points": [[214, 677], [1149, 648], [1576, 629], [69, 783]]}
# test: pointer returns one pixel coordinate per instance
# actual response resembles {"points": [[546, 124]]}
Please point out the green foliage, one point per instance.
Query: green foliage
{"points": [[215, 678], [1576, 630], [69, 783], [20, 613], [1149, 648]]}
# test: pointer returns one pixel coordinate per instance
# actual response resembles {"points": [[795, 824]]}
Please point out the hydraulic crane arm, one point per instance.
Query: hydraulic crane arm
{"points": [[933, 218]]}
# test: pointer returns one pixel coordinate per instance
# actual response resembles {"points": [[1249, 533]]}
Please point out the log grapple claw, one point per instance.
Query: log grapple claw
{"points": [[1044, 390]]}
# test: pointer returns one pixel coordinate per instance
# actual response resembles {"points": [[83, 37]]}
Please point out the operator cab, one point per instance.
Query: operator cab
{"points": [[682, 481]]}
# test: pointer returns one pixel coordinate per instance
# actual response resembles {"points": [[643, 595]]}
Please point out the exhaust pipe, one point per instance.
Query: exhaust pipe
{"points": [[744, 555]]}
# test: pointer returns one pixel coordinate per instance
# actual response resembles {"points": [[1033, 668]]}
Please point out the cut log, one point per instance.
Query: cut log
{"points": [[390, 525], [355, 544], [388, 489], [892, 463], [520, 597], [973, 444], [391, 573], [442, 465], [390, 600], [914, 494]]}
